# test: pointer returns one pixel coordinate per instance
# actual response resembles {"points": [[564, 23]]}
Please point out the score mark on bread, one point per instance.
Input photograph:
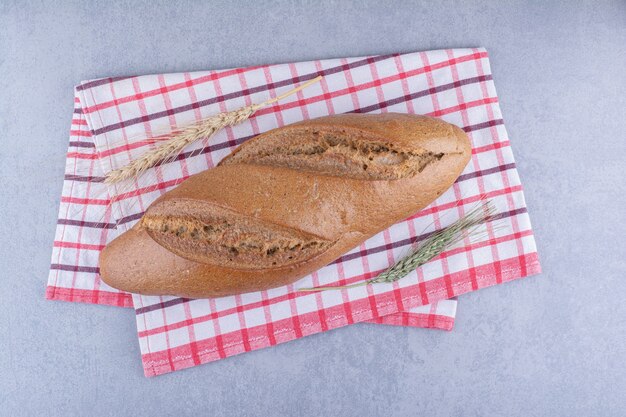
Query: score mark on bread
{"points": [[349, 153], [203, 232]]}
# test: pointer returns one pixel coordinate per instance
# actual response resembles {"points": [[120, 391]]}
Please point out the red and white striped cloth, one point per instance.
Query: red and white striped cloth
{"points": [[114, 116]]}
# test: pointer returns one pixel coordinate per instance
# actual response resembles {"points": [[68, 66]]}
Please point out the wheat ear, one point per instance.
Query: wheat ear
{"points": [[434, 245], [178, 140]]}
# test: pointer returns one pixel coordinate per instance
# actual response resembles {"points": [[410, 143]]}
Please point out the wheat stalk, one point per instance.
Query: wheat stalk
{"points": [[178, 140], [430, 248]]}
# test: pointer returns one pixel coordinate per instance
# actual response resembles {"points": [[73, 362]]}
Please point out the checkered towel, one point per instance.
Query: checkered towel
{"points": [[114, 116]]}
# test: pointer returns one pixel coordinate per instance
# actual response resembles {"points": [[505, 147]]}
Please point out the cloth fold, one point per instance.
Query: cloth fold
{"points": [[113, 116]]}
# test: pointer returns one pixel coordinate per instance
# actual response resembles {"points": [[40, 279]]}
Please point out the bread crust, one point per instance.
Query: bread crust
{"points": [[295, 205]]}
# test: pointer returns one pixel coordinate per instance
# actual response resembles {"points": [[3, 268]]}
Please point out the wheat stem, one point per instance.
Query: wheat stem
{"points": [[339, 287], [178, 140]]}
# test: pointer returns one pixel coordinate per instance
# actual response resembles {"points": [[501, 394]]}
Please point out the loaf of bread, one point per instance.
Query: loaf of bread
{"points": [[286, 203]]}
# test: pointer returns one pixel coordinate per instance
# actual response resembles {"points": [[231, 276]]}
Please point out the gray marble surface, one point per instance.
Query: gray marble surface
{"points": [[554, 344]]}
